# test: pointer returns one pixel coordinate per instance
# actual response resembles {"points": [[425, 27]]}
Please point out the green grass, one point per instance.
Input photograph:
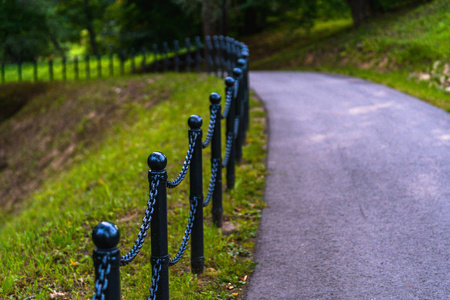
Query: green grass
{"points": [[282, 47], [386, 49], [45, 246]]}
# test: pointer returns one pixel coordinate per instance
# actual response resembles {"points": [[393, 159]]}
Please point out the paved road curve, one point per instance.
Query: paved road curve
{"points": [[358, 193]]}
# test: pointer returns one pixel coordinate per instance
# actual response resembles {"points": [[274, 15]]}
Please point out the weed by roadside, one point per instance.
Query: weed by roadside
{"points": [[438, 76]]}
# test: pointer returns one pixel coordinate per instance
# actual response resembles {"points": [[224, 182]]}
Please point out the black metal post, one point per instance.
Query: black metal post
{"points": [[106, 237], [233, 54], [19, 70], [188, 54], [198, 56], [239, 76], [99, 66], [222, 55], [196, 191], [3, 71], [111, 64], [133, 63], [235, 51], [229, 43], [216, 158], [87, 66], [155, 58], [176, 49], [230, 82], [75, 67], [245, 56], [166, 59], [50, 69], [64, 68], [209, 54], [216, 55], [35, 71], [144, 60], [122, 62], [157, 163]]}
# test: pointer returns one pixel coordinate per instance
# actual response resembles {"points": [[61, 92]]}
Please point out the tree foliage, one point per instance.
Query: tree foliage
{"points": [[144, 22], [32, 28], [363, 9], [85, 15], [23, 30]]}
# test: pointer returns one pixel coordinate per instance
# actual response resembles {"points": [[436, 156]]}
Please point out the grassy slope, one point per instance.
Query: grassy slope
{"points": [[386, 49], [55, 122], [45, 245]]}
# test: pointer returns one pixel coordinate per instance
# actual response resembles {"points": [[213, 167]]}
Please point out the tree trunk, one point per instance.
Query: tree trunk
{"points": [[90, 27], [224, 18], [361, 10], [92, 40], [56, 43], [210, 17]]}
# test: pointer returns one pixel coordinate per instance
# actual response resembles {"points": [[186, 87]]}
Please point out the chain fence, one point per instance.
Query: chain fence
{"points": [[178, 57], [221, 56]]}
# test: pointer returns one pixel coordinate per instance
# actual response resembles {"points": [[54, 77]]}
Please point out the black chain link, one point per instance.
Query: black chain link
{"points": [[101, 284], [236, 88], [212, 124], [187, 232], [155, 280], [126, 259], [212, 182], [229, 95], [228, 149], [236, 127], [187, 162]]}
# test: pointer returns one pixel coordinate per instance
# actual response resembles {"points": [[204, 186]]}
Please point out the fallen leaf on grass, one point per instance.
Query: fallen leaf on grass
{"points": [[57, 295], [229, 286]]}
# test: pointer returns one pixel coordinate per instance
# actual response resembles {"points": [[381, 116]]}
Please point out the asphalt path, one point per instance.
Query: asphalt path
{"points": [[358, 192]]}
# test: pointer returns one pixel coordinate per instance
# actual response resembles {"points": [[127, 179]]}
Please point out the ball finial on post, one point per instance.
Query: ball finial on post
{"points": [[157, 161], [214, 98], [237, 72], [229, 81], [195, 122], [241, 63], [106, 235], [107, 259]]}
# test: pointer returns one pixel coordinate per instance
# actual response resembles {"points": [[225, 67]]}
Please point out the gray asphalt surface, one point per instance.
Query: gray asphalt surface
{"points": [[358, 193]]}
